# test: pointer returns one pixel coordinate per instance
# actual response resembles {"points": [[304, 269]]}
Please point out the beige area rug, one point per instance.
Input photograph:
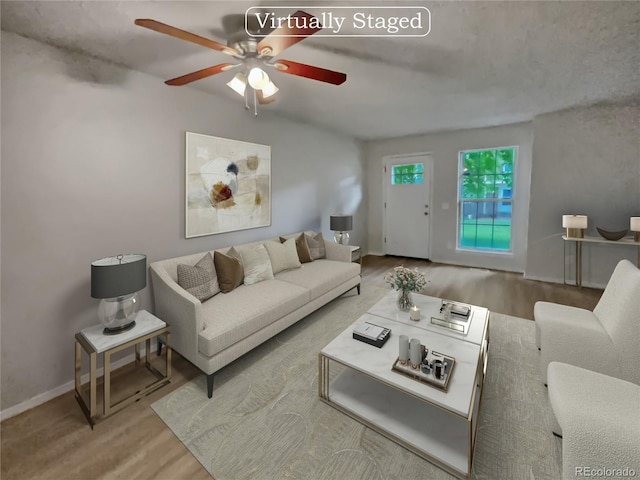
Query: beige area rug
{"points": [[265, 420]]}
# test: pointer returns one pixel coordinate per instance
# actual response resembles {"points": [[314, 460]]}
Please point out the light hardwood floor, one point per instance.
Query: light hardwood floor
{"points": [[54, 441]]}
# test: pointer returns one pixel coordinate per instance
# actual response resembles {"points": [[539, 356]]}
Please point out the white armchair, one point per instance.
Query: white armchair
{"points": [[598, 417], [606, 340]]}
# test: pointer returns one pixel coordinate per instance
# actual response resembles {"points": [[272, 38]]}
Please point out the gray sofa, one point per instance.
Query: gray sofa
{"points": [[213, 333]]}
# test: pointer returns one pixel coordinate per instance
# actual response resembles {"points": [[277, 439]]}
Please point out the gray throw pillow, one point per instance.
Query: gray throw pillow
{"points": [[199, 280], [316, 246]]}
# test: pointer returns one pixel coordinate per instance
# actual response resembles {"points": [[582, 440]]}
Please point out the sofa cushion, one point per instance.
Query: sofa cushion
{"points": [[229, 270], [320, 276], [283, 256], [304, 255], [256, 263], [199, 280], [246, 310], [316, 246]]}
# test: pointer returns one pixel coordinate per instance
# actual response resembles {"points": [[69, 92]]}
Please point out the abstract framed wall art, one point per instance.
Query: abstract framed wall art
{"points": [[228, 185]]}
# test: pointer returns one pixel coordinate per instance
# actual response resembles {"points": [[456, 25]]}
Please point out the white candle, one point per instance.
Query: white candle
{"points": [[414, 313]]}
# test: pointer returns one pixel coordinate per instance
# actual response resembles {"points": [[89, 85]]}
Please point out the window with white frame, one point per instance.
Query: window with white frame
{"points": [[485, 198]]}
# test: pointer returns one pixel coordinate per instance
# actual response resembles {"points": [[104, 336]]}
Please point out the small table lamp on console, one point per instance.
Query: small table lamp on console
{"points": [[117, 281], [575, 225], [341, 225]]}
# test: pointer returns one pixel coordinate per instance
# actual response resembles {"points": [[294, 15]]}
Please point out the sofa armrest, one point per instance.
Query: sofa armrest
{"points": [[337, 252], [180, 309]]}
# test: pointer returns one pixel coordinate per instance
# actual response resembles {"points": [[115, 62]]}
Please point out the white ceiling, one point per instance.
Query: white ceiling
{"points": [[483, 64]]}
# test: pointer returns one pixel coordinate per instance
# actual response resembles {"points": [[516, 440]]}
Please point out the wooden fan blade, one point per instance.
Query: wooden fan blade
{"points": [[309, 71], [272, 46], [204, 73], [262, 100], [184, 35]]}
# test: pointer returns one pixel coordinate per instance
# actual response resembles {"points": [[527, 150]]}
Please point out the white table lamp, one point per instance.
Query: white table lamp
{"points": [[575, 225]]}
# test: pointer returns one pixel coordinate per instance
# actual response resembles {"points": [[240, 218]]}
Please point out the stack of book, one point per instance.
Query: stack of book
{"points": [[372, 334]]}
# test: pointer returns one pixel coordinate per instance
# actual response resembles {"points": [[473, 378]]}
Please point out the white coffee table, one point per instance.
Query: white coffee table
{"points": [[438, 426]]}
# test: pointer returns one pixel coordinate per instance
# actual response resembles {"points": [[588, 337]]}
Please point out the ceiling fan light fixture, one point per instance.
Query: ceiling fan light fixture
{"points": [[238, 84], [258, 78], [269, 89]]}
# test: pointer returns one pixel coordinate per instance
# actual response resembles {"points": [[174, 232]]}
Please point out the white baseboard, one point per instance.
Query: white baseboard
{"points": [[62, 389]]}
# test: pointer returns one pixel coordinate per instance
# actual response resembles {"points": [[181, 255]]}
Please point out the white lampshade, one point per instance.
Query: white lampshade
{"points": [[258, 79], [238, 84], [574, 221], [269, 89], [634, 224]]}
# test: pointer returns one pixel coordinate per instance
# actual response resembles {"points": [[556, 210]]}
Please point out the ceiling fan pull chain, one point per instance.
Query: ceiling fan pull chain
{"points": [[246, 100], [255, 102]]}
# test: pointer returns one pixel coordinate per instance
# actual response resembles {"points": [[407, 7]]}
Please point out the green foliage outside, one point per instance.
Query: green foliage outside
{"points": [[484, 171], [487, 174], [407, 174], [486, 234]]}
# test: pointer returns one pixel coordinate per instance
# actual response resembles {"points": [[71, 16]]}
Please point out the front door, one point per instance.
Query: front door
{"points": [[407, 191]]}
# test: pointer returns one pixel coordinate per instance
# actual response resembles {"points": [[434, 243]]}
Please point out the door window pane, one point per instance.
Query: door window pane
{"points": [[407, 174]]}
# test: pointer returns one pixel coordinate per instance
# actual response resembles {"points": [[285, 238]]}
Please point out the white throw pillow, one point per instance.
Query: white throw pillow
{"points": [[284, 256], [256, 263]]}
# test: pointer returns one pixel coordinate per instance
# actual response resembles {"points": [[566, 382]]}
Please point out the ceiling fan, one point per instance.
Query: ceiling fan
{"points": [[253, 53]]}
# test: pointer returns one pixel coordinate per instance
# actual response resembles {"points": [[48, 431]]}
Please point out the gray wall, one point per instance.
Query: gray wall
{"points": [[93, 165], [585, 161], [444, 147]]}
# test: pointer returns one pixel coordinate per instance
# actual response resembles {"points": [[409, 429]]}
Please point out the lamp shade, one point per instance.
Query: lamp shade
{"points": [[238, 84], [574, 221], [118, 275], [341, 223], [634, 224]]}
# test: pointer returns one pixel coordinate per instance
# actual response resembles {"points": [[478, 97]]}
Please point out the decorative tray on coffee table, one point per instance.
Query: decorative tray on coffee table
{"points": [[458, 318], [428, 378]]}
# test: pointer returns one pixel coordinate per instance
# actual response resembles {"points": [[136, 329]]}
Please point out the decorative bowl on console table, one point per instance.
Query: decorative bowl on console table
{"points": [[611, 235]]}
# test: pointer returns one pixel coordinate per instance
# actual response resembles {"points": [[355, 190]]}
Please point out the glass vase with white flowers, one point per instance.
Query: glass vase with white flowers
{"points": [[405, 281]]}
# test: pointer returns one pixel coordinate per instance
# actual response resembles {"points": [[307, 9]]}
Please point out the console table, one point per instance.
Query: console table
{"points": [[629, 241]]}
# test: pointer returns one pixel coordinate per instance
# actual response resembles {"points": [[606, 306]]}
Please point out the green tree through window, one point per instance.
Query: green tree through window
{"points": [[485, 192], [407, 174]]}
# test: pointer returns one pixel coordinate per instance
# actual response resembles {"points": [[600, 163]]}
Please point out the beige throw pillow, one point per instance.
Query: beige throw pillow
{"points": [[283, 256], [199, 280], [256, 263], [229, 269], [316, 246], [304, 255]]}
